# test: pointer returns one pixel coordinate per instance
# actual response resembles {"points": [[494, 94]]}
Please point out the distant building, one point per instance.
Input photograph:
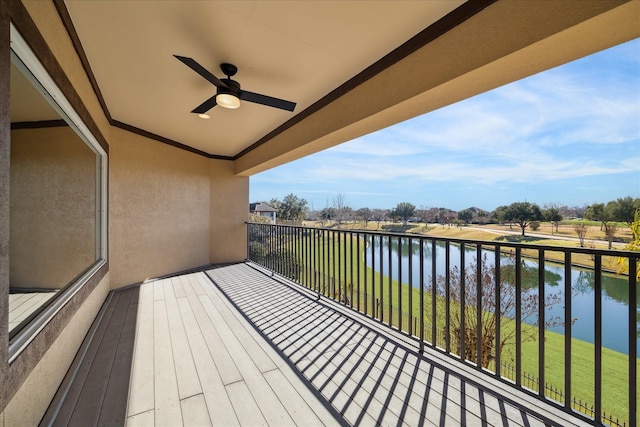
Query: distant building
{"points": [[263, 209]]}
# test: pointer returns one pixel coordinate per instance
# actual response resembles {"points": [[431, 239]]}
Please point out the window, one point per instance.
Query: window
{"points": [[58, 198]]}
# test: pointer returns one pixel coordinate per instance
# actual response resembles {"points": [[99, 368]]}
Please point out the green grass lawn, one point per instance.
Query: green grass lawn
{"points": [[381, 293]]}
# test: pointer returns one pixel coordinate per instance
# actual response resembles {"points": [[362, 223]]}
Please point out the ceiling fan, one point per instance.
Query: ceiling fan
{"points": [[229, 94]]}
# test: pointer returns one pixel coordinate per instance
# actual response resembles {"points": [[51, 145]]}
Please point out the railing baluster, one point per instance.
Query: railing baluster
{"points": [[597, 327], [498, 299], [352, 262], [338, 261], [633, 345], [381, 303], [567, 329], [421, 295], [434, 293], [389, 280], [333, 265], [518, 268], [410, 290], [541, 322], [357, 260], [463, 305], [399, 283], [366, 273], [373, 277], [447, 294], [479, 306]]}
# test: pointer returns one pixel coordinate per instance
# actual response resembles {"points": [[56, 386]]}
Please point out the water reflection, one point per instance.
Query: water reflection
{"points": [[615, 301]]}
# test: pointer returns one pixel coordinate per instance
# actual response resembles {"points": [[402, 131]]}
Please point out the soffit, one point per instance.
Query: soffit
{"points": [[299, 51]]}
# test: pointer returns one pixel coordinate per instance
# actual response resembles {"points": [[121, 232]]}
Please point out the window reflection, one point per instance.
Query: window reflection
{"points": [[54, 198]]}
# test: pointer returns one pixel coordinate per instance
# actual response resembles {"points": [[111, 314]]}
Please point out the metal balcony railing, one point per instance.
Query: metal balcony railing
{"points": [[534, 316]]}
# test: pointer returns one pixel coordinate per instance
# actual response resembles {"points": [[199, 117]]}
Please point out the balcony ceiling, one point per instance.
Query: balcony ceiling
{"points": [[297, 51], [352, 67]]}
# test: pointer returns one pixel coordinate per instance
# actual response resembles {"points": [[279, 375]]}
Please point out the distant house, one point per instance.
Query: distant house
{"points": [[263, 209]]}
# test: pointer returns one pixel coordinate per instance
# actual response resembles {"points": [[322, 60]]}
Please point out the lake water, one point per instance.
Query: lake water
{"points": [[615, 298]]}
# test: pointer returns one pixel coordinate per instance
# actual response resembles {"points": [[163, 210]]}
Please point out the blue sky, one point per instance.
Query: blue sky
{"points": [[570, 135]]}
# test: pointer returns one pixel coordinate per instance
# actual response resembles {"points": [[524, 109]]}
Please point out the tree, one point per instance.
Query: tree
{"points": [[608, 221], [465, 215], [498, 214], [581, 230], [364, 214], [553, 215], [623, 209], [291, 208], [340, 205], [522, 213], [327, 214], [379, 215], [633, 245], [404, 211], [491, 314], [595, 212]]}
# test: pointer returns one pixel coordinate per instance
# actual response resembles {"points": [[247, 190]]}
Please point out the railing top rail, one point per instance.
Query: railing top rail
{"points": [[572, 249]]}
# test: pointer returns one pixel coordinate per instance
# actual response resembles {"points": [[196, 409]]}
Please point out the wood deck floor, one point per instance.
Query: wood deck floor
{"points": [[236, 347]]}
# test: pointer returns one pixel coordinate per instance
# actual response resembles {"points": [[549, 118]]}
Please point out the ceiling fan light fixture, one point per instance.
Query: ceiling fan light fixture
{"points": [[228, 100]]}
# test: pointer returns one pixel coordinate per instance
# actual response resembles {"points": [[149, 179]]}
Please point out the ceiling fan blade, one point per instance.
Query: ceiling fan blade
{"points": [[267, 100], [205, 106], [191, 63]]}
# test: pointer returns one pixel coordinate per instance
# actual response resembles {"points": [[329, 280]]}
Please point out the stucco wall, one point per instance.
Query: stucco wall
{"points": [[229, 213], [53, 207], [32, 399], [158, 208]]}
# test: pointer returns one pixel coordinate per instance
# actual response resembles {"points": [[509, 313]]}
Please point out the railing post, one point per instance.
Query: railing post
{"points": [[633, 345]]}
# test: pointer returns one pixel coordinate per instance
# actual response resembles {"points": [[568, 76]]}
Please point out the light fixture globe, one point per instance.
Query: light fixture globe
{"points": [[227, 100], [229, 97]]}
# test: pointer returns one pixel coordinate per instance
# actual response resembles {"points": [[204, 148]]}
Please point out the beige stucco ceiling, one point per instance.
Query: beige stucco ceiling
{"points": [[352, 67], [294, 50]]}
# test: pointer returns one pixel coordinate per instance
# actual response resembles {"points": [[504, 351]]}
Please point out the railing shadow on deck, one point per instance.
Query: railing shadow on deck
{"points": [[359, 372], [346, 264]]}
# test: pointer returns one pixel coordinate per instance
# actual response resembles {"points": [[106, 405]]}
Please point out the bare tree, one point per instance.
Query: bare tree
{"points": [[491, 313], [581, 230], [610, 230], [340, 204]]}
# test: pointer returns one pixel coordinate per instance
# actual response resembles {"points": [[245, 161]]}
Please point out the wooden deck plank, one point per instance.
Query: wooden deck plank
{"points": [[223, 360], [88, 406], [297, 406], [249, 341], [245, 406], [114, 405], [141, 394], [267, 401], [143, 419], [167, 399], [186, 373], [61, 408], [195, 412], [218, 404]]}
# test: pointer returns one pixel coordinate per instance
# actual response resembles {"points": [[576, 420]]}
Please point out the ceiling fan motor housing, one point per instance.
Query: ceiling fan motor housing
{"points": [[233, 87]]}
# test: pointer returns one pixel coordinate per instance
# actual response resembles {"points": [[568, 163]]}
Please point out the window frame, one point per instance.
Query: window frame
{"points": [[44, 82]]}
